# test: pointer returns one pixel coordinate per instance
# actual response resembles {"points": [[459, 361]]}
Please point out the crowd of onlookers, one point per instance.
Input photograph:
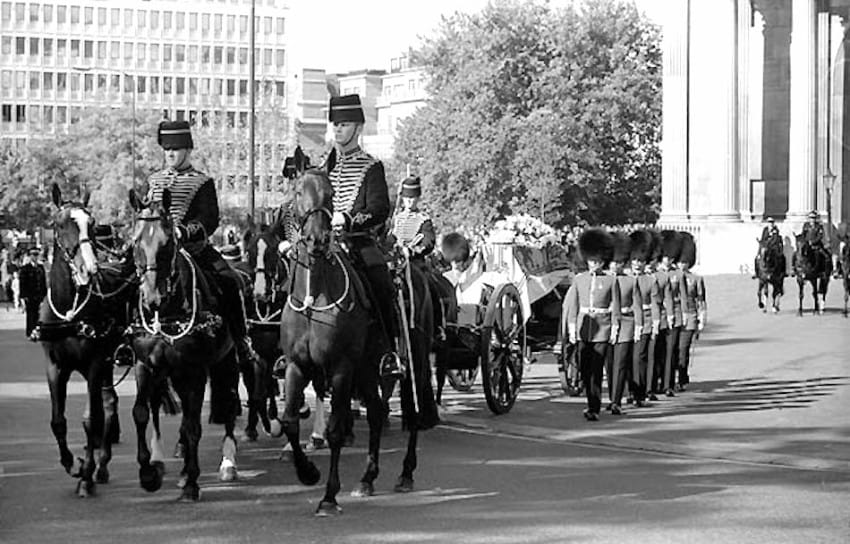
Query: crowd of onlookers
{"points": [[24, 281]]}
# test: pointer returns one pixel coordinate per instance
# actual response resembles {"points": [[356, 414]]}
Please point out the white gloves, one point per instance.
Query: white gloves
{"points": [[338, 220]]}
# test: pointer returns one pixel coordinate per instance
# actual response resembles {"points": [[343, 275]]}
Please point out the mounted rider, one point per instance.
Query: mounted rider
{"points": [[770, 237], [194, 209], [361, 206], [411, 226], [813, 233]]}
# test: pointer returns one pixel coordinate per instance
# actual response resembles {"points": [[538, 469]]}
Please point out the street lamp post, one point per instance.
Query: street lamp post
{"points": [[251, 120]]}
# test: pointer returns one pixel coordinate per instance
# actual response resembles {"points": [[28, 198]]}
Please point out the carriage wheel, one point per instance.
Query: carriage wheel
{"points": [[462, 380], [502, 349]]}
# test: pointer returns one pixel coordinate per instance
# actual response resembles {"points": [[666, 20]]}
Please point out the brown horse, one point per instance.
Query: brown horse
{"points": [[80, 329], [770, 270], [813, 265], [178, 341]]}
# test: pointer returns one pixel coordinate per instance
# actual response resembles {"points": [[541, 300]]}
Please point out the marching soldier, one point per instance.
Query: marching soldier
{"points": [[592, 311], [666, 243], [672, 247], [194, 208], [631, 320], [693, 306], [361, 206], [642, 246]]}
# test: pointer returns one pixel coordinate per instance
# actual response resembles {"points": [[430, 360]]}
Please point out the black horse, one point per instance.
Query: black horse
{"points": [[770, 271], [812, 264], [178, 341], [80, 328]]}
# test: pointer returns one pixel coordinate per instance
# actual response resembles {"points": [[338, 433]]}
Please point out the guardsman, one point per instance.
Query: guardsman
{"points": [[692, 288], [361, 206], [592, 311], [412, 227], [671, 248], [631, 320], [194, 208], [642, 245], [666, 244]]}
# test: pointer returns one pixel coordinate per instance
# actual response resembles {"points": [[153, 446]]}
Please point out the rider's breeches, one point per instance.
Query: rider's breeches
{"points": [[232, 305], [686, 338], [592, 358], [384, 296], [655, 368], [640, 366], [671, 357], [622, 368]]}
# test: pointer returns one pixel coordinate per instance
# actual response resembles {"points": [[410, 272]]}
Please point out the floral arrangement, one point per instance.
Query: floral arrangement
{"points": [[522, 229]]}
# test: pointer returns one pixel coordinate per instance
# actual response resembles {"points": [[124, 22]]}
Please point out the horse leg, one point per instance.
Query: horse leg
{"points": [[405, 481], [192, 399], [227, 372], [800, 287], [290, 422], [109, 402], [761, 290], [94, 429], [57, 382], [250, 378], [151, 470], [375, 417], [387, 388], [338, 422]]}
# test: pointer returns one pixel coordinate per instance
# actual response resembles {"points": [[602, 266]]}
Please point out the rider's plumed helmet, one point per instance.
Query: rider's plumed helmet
{"points": [[671, 244], [642, 245], [688, 253], [346, 108], [596, 244], [175, 135], [411, 187], [813, 215], [622, 247]]}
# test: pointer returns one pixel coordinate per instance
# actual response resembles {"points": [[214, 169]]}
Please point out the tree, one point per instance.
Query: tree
{"points": [[553, 112]]}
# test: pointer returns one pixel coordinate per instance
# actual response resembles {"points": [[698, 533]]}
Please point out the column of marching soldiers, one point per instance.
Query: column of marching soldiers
{"points": [[633, 316]]}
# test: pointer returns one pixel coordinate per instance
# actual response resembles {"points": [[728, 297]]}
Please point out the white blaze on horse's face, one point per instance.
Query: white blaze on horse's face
{"points": [[85, 262], [150, 238], [260, 274]]}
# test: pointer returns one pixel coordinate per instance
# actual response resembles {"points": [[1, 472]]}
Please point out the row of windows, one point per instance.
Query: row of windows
{"points": [[89, 49], [140, 18], [73, 81]]}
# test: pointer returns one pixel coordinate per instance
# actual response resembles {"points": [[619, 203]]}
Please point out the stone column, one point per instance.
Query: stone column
{"points": [[824, 56], [714, 151], [675, 113], [745, 17], [802, 160]]}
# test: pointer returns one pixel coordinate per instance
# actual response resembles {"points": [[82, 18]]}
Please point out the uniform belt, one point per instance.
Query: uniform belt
{"points": [[590, 310], [647, 306], [677, 299], [626, 311]]}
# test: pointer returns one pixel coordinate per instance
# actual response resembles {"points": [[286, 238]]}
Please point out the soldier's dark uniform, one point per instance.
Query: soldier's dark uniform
{"points": [[194, 208], [692, 288], [413, 224], [672, 246], [630, 323], [361, 195], [592, 312], [642, 246], [658, 345]]}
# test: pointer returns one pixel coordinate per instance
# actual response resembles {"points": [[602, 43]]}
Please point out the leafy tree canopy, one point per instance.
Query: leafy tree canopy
{"points": [[549, 111]]}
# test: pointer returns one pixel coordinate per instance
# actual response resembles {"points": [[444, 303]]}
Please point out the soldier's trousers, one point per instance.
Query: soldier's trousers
{"points": [[592, 360], [640, 367], [686, 338], [671, 359], [655, 367], [623, 355]]}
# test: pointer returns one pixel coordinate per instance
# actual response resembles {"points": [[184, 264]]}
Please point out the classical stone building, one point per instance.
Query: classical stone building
{"points": [[754, 124]]}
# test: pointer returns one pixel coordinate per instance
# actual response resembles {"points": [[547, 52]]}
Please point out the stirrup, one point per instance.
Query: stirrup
{"points": [[391, 366]]}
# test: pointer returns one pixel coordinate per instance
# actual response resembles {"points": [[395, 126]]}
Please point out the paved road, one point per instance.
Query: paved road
{"points": [[758, 450]]}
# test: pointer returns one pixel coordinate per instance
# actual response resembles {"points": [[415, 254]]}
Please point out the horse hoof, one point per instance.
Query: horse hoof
{"points": [[76, 470], [304, 412], [275, 428], [308, 474], [316, 443], [181, 483], [366, 489], [191, 493], [85, 489], [102, 475], [251, 435], [327, 509], [150, 476], [179, 450], [761, 305], [227, 474], [403, 485]]}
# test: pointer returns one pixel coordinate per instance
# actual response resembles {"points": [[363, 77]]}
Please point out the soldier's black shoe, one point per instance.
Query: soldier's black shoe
{"points": [[591, 416], [653, 396], [245, 351], [391, 366], [670, 393], [616, 410]]}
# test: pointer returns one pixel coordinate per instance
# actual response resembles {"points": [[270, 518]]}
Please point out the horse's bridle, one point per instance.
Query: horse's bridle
{"points": [[155, 267], [320, 209]]}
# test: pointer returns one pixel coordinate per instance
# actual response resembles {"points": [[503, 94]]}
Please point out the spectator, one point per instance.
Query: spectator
{"points": [[33, 287]]}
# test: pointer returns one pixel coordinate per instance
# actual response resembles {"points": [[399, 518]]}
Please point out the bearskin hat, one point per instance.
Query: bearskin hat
{"points": [[455, 247], [642, 245], [622, 247], [671, 244], [688, 253], [596, 244], [656, 245]]}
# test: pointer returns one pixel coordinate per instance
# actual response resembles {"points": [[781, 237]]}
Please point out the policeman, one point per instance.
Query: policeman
{"points": [[361, 206], [194, 208], [769, 236], [693, 306], [592, 311], [813, 233]]}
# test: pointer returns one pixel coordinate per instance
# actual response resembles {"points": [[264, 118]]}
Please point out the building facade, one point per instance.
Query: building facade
{"points": [[754, 121], [179, 60]]}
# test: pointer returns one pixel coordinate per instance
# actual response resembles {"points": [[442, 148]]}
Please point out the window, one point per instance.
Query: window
{"points": [[20, 12], [154, 85], [243, 87], [193, 86], [205, 54], [141, 18], [205, 86], [128, 84], [61, 115], [75, 82], [217, 20], [243, 56], [231, 24], [205, 23], [231, 119], [279, 29], [7, 113], [279, 57], [101, 17], [61, 48], [243, 24], [88, 16], [243, 119], [267, 26], [75, 15], [6, 47], [101, 50], [180, 85], [47, 13], [34, 46], [231, 87], [166, 52], [6, 12], [35, 81], [35, 115], [180, 115], [20, 46], [279, 88], [34, 9], [88, 49], [114, 83], [61, 82], [267, 57], [75, 49], [115, 16], [166, 20], [47, 81], [180, 53], [154, 20], [114, 50], [217, 52], [48, 48], [205, 118], [101, 83], [193, 22], [166, 85], [217, 87], [231, 56], [155, 52], [74, 115], [140, 84], [140, 51], [192, 55], [61, 14], [180, 21], [192, 116], [20, 113], [88, 83], [48, 115], [128, 18]]}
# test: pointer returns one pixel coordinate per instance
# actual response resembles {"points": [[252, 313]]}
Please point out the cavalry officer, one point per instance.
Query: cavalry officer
{"points": [[592, 311], [642, 245], [813, 233], [412, 227], [671, 248], [666, 245], [693, 305], [194, 208], [361, 206], [769, 236], [630, 323]]}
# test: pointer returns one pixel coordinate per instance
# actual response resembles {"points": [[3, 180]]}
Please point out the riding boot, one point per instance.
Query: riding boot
{"points": [[384, 297]]}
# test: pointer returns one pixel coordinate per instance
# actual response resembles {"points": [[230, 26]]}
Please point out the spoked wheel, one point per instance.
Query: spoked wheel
{"points": [[462, 380], [502, 349]]}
